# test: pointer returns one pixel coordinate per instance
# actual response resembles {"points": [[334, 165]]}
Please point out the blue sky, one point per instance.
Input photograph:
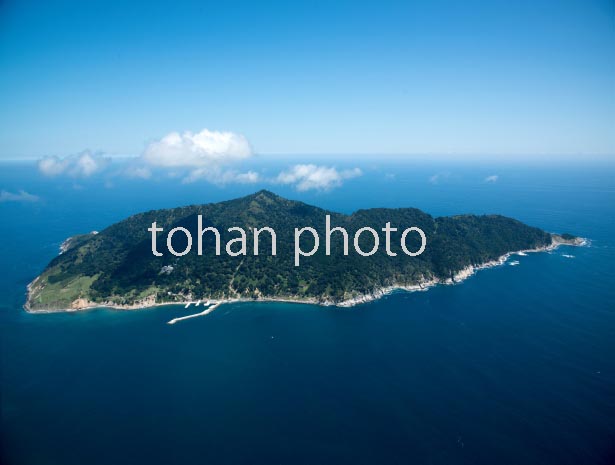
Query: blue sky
{"points": [[509, 79]]}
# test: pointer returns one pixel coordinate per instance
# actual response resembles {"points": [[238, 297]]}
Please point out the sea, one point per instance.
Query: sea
{"points": [[515, 365]]}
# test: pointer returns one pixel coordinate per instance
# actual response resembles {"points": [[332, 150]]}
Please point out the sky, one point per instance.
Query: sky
{"points": [[438, 78]]}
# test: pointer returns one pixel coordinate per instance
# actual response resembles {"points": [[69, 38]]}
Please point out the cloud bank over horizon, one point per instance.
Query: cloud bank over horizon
{"points": [[211, 156]]}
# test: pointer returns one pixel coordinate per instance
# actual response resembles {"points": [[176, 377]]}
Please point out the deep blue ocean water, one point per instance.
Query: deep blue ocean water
{"points": [[514, 366]]}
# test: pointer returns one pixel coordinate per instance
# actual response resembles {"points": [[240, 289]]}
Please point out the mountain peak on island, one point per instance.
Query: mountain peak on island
{"points": [[266, 195]]}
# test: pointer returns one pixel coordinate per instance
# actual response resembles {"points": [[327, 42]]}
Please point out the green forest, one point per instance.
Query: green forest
{"points": [[117, 265]]}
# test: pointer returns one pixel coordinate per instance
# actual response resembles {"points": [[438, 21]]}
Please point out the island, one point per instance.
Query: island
{"points": [[116, 267]]}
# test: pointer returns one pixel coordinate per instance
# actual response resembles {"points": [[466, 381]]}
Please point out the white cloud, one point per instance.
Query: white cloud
{"points": [[21, 196], [81, 165], [438, 177], [249, 177], [201, 149], [207, 154], [492, 178], [216, 175], [142, 172], [306, 177], [52, 166]]}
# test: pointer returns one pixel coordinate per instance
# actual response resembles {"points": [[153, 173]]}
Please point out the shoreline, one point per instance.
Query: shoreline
{"points": [[459, 277]]}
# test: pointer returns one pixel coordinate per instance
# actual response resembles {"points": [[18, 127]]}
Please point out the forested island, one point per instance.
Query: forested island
{"points": [[116, 267]]}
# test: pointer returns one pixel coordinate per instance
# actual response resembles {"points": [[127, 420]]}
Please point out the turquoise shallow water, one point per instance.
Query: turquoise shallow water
{"points": [[515, 365]]}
